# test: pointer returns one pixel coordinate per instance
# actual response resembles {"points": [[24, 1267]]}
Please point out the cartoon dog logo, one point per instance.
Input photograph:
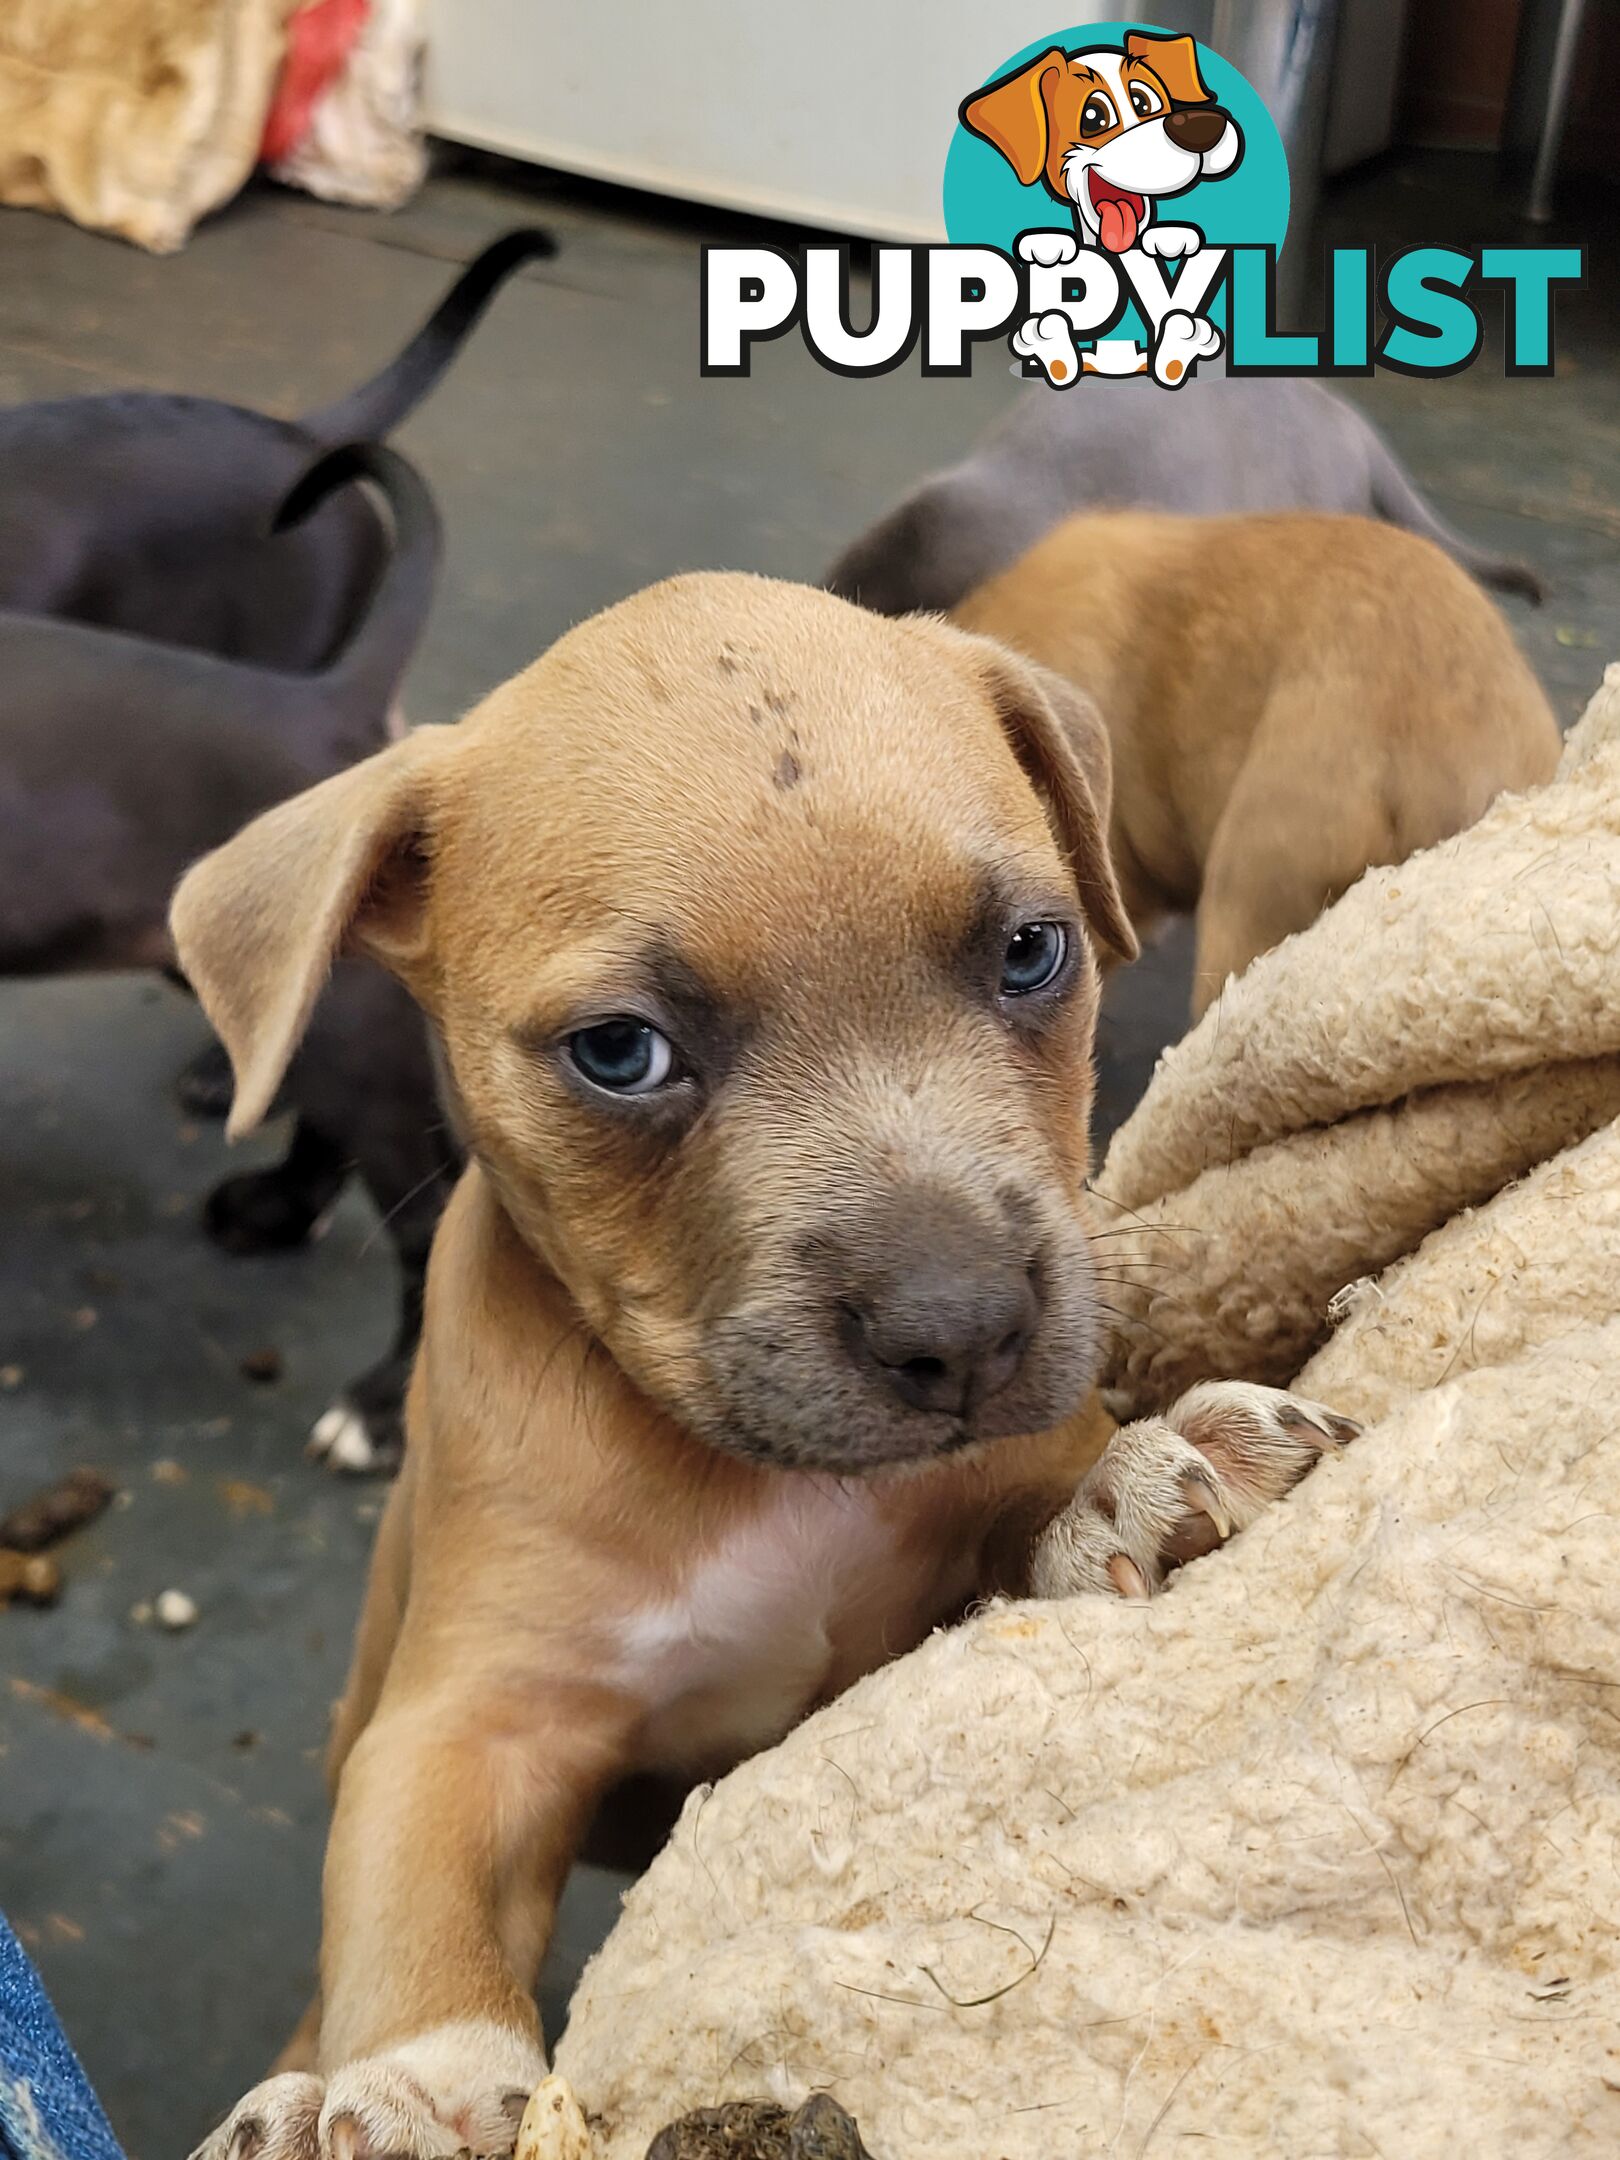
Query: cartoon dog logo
{"points": [[1110, 135]]}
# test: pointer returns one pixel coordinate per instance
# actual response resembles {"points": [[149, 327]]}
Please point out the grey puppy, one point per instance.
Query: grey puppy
{"points": [[121, 761], [1217, 446], [143, 512], [151, 513]]}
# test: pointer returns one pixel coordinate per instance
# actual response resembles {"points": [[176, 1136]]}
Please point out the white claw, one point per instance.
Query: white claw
{"points": [[1201, 1495], [1127, 1578]]}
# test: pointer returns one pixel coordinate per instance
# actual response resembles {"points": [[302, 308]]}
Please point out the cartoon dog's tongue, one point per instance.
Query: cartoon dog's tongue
{"points": [[1119, 214]]}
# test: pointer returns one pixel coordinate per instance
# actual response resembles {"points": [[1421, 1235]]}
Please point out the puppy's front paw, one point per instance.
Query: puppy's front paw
{"points": [[422, 2101], [278, 2120], [1168, 1489]]}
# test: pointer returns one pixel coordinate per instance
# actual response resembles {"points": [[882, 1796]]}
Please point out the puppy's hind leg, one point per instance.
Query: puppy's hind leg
{"points": [[1299, 827], [366, 1071]]}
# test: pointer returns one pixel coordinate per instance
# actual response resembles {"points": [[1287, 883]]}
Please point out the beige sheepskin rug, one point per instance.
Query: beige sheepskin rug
{"points": [[1318, 1853], [134, 117]]}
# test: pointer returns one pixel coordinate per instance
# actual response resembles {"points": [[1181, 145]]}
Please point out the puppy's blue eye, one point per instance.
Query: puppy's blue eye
{"points": [[624, 1056], [1035, 955]]}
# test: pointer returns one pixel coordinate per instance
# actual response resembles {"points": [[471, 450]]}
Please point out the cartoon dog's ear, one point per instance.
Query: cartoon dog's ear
{"points": [[1175, 61], [1012, 116], [258, 923], [1061, 740]]}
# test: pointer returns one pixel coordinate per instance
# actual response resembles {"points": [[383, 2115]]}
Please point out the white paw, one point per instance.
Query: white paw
{"points": [[1182, 342], [1049, 340], [1049, 249], [462, 2089], [1166, 1490], [339, 1439], [1170, 240]]}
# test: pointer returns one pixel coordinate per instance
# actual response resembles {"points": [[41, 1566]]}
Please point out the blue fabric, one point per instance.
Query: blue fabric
{"points": [[47, 2110]]}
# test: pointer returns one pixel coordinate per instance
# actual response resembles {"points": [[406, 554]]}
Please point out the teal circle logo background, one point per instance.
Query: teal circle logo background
{"points": [[986, 207]]}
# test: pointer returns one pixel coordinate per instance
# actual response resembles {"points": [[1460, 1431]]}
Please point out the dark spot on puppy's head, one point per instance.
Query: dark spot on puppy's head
{"points": [[726, 661], [788, 771]]}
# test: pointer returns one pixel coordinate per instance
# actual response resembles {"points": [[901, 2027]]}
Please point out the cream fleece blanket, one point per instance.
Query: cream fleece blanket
{"points": [[1319, 1853], [134, 116]]}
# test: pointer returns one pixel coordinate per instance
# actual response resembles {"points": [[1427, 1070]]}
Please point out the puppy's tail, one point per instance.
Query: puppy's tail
{"points": [[1395, 497], [378, 649], [378, 406]]}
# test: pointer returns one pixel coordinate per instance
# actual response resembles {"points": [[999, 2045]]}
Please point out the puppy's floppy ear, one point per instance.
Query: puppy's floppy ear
{"points": [[1061, 741], [1012, 115], [258, 924], [1175, 61]]}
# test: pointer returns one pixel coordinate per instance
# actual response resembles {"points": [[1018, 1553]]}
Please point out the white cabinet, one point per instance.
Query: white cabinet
{"points": [[835, 113]]}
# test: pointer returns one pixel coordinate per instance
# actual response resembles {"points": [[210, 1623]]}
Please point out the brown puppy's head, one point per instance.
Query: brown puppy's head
{"points": [[758, 932]]}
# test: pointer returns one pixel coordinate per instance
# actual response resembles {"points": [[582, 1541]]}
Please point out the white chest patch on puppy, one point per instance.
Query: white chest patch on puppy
{"points": [[799, 1599]]}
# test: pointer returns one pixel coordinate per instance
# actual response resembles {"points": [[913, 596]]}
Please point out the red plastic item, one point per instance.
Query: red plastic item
{"points": [[320, 38]]}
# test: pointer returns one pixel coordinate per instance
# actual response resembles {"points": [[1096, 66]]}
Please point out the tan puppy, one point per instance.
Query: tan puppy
{"points": [[760, 936], [1290, 699]]}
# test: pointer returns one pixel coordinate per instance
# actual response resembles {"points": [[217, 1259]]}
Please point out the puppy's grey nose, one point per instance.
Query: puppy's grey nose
{"points": [[1197, 129], [945, 1336]]}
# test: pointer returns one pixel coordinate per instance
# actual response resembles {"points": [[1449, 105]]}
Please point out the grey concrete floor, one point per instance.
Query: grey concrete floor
{"points": [[161, 1814]]}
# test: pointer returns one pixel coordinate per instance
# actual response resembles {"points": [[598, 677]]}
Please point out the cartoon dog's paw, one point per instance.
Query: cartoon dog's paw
{"points": [[1049, 249], [1048, 340], [1167, 241], [1166, 1490], [1182, 342], [411, 2104]]}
